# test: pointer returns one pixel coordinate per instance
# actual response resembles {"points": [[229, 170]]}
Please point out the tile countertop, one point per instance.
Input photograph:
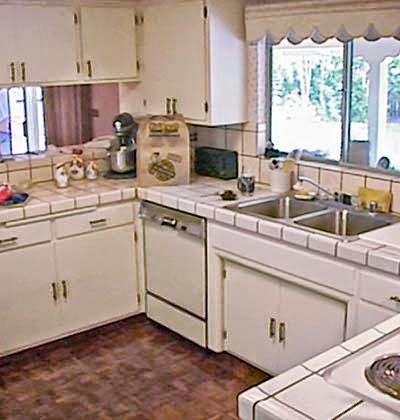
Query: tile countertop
{"points": [[302, 393], [201, 197], [45, 198]]}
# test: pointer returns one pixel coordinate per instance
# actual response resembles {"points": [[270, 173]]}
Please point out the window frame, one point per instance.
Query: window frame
{"points": [[346, 110], [31, 124]]}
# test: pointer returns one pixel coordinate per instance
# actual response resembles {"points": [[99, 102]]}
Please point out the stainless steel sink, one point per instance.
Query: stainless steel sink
{"points": [[326, 217], [343, 222], [278, 208]]}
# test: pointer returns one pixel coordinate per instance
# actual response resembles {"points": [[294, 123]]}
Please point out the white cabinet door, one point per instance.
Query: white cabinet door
{"points": [[7, 44], [369, 315], [108, 43], [251, 315], [311, 324], [99, 274], [28, 312], [45, 43], [175, 58]]}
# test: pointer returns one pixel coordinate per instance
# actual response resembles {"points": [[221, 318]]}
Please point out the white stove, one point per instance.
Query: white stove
{"points": [[349, 373]]}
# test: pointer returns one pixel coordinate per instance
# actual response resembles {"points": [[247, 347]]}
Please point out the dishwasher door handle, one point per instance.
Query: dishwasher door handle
{"points": [[169, 221]]}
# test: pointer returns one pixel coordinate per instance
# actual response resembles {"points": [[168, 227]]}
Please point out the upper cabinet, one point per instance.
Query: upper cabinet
{"points": [[108, 49], [194, 61], [37, 43], [46, 44]]}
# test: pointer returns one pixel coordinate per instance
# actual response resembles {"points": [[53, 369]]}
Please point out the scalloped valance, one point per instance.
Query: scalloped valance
{"points": [[322, 19]]}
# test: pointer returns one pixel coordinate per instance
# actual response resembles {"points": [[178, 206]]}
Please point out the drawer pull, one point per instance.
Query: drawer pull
{"points": [[54, 290], [8, 241], [23, 71], [168, 106], [89, 68], [272, 327], [12, 67], [395, 299], [97, 222], [65, 290], [174, 106], [282, 332]]}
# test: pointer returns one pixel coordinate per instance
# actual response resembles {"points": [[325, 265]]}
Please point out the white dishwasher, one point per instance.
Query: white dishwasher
{"points": [[175, 269]]}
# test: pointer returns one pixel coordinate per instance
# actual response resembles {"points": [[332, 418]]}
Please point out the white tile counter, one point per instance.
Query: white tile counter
{"points": [[202, 198], [303, 393], [46, 199]]}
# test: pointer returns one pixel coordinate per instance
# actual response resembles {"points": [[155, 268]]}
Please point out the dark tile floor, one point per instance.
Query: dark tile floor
{"points": [[132, 369]]}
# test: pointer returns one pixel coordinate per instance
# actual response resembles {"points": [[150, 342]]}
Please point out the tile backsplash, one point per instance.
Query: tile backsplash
{"points": [[40, 168], [247, 143]]}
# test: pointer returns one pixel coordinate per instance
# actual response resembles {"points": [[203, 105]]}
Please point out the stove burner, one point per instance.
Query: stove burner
{"points": [[384, 375]]}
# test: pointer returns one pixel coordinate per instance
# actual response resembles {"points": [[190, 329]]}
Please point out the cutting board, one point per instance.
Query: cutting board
{"points": [[388, 235]]}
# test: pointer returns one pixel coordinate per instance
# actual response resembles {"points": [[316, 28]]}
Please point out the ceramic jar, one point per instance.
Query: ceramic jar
{"points": [[61, 176], [92, 170], [76, 168]]}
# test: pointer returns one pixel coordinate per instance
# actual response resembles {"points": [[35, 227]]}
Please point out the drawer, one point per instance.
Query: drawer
{"points": [[176, 320], [101, 218], [23, 235], [379, 289]]}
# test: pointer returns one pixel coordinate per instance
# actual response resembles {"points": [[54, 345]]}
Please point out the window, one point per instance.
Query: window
{"points": [[337, 101], [22, 121], [307, 97]]}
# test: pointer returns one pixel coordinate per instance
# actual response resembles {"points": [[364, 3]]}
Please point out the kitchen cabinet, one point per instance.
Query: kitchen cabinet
{"points": [[369, 315], [67, 274], [379, 298], [97, 273], [27, 304], [108, 48], [272, 323], [29, 53], [194, 61], [251, 309]]}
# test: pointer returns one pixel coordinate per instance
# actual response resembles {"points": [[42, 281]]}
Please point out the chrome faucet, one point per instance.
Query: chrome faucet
{"points": [[302, 179]]}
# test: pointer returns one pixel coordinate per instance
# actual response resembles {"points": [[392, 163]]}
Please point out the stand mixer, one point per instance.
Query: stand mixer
{"points": [[123, 147]]}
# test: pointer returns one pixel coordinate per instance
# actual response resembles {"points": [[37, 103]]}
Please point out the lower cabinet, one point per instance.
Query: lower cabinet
{"points": [[274, 324], [369, 315], [62, 285], [97, 277], [28, 306]]}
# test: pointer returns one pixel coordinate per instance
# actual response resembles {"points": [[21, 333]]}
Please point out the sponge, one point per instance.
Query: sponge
{"points": [[382, 198]]}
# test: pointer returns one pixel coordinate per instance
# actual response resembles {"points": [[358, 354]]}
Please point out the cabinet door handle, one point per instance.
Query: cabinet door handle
{"points": [[97, 222], [272, 327], [8, 241], [23, 71], [12, 69], [65, 290], [395, 299], [54, 290], [168, 106], [282, 332], [89, 68], [174, 105]]}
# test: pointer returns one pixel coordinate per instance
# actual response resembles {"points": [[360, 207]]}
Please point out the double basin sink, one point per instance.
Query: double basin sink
{"points": [[327, 217]]}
